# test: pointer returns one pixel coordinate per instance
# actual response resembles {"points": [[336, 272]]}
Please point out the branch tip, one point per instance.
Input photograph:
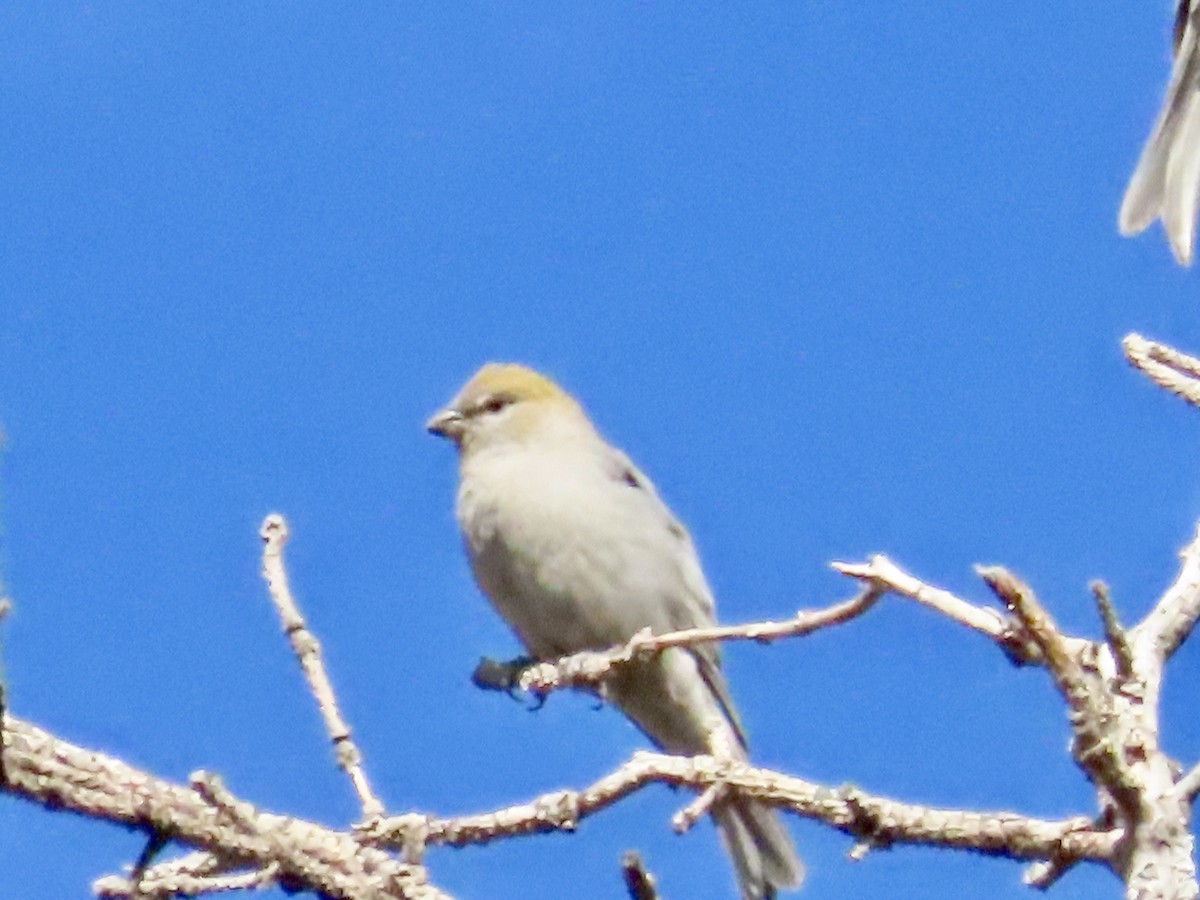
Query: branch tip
{"points": [[307, 651], [683, 820], [274, 529], [1114, 633], [1167, 367]]}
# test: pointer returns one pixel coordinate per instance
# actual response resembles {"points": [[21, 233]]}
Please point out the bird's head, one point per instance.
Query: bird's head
{"points": [[506, 403]]}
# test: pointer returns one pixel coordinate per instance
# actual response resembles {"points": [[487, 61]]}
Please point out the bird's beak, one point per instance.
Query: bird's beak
{"points": [[447, 423]]}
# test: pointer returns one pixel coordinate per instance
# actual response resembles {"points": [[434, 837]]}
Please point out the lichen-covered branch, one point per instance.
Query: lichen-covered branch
{"points": [[1112, 690], [61, 776], [187, 878], [865, 817]]}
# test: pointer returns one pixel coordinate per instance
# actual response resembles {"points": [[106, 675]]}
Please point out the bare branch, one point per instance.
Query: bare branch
{"points": [[61, 776], [862, 816], [1174, 616], [883, 573], [588, 670], [305, 646], [1044, 874], [1056, 651], [1097, 746], [1165, 366], [683, 820], [1115, 635], [190, 870], [167, 881], [1189, 785], [214, 792], [1113, 719]]}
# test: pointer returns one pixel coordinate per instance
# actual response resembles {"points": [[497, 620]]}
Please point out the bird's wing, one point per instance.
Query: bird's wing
{"points": [[1167, 177], [695, 608]]}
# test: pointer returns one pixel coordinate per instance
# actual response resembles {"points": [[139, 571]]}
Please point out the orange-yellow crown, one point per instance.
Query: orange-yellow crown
{"points": [[521, 382]]}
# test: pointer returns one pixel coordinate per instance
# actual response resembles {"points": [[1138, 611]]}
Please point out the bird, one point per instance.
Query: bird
{"points": [[575, 550], [1166, 181]]}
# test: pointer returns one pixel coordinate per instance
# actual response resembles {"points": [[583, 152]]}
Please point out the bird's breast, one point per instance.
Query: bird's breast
{"points": [[564, 561]]}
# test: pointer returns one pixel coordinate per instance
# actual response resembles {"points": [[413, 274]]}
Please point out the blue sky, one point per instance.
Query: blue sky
{"points": [[841, 278]]}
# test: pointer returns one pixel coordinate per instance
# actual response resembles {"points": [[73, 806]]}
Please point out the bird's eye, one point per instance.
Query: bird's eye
{"points": [[495, 403]]}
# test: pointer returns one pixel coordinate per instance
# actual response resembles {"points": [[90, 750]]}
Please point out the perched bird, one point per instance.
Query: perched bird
{"points": [[1166, 181], [575, 550]]}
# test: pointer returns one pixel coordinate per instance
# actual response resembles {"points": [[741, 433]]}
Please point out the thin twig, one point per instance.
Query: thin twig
{"points": [[1114, 634], [1189, 785], [192, 867], [1044, 874], [1089, 701], [213, 790], [1057, 652], [683, 820], [1005, 632], [183, 884], [588, 670], [274, 533], [1167, 367]]}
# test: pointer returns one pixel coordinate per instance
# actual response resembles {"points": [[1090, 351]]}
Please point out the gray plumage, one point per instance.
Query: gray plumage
{"points": [[576, 551], [1166, 181]]}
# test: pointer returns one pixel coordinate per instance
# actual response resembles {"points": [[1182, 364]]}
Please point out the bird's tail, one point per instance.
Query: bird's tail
{"points": [[1166, 181], [762, 853]]}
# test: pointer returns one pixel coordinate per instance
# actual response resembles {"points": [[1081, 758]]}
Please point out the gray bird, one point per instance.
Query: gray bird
{"points": [[575, 550]]}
